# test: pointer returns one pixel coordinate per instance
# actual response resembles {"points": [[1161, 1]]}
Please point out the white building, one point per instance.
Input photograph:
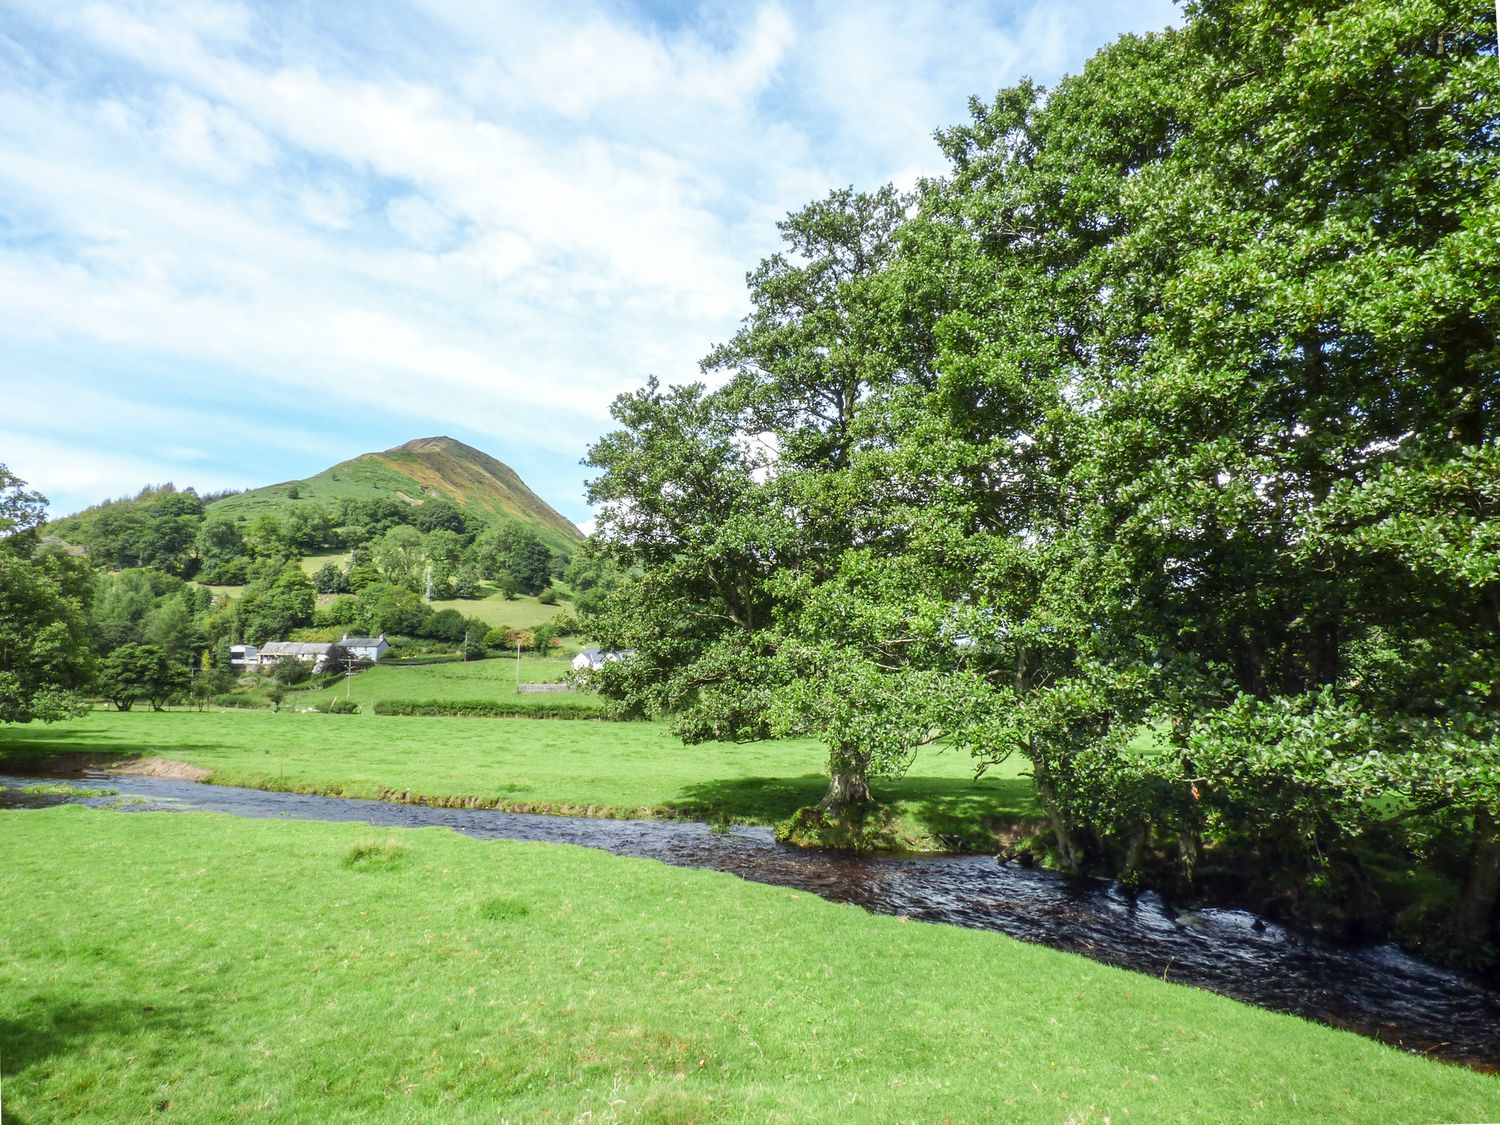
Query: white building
{"points": [[309, 652], [366, 648], [244, 656], [592, 659]]}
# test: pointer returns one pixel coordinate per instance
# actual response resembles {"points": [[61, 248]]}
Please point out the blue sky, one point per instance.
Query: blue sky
{"points": [[240, 242]]}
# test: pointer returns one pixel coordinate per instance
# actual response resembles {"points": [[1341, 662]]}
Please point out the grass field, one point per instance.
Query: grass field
{"points": [[522, 613], [475, 679], [204, 968], [604, 769]]}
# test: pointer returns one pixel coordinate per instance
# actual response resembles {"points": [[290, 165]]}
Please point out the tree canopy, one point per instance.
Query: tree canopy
{"points": [[1157, 442]]}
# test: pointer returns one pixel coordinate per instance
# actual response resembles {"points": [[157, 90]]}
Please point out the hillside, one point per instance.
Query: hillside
{"points": [[423, 469]]}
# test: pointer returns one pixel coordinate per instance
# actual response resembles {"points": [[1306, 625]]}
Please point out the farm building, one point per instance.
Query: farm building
{"points": [[244, 656], [591, 659], [308, 652], [366, 648]]}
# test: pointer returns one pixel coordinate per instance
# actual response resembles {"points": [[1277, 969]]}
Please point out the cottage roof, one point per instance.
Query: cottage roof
{"points": [[295, 648], [364, 642]]}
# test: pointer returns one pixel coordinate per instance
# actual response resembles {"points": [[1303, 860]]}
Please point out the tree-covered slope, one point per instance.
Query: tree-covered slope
{"points": [[412, 474]]}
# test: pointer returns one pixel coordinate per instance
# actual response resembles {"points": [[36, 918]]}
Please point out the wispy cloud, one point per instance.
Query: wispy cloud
{"points": [[442, 216]]}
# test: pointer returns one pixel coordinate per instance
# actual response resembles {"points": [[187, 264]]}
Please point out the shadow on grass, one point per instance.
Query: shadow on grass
{"points": [[762, 800], [959, 812], [39, 1029], [20, 748]]}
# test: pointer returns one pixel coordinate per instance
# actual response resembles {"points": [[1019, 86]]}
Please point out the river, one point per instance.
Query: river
{"points": [[1376, 990]]}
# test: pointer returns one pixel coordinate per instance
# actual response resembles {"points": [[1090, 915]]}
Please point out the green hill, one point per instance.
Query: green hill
{"points": [[157, 526], [421, 470]]}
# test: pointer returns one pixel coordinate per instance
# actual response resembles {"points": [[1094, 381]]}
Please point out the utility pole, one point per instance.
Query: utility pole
{"points": [[518, 667]]}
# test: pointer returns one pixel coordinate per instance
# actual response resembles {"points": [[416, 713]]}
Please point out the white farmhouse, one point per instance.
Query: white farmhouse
{"points": [[309, 652], [592, 659], [366, 648]]}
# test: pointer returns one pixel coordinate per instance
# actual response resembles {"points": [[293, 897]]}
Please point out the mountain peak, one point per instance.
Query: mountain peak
{"points": [[430, 445]]}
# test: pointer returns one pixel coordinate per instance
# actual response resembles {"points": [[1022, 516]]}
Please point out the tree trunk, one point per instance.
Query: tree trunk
{"points": [[848, 780], [1189, 850], [1069, 847], [1476, 904], [1135, 850]]}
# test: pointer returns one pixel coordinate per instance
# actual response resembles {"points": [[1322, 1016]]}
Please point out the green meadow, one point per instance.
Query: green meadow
{"points": [[520, 612], [287, 971], [600, 769], [476, 679]]}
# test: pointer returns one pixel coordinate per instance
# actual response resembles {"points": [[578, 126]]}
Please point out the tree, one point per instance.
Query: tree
{"points": [[134, 672], [1217, 410], [591, 577], [329, 579], [265, 538], [173, 625], [466, 582], [399, 557], [434, 515], [444, 552], [445, 625], [390, 609], [289, 671], [758, 526], [271, 608], [543, 637], [474, 642], [44, 650], [219, 542], [510, 547]]}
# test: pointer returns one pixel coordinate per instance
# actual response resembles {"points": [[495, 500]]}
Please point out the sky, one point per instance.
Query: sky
{"points": [[240, 242]]}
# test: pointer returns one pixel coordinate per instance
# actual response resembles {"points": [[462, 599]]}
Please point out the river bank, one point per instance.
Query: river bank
{"points": [[318, 969], [554, 766], [1373, 989]]}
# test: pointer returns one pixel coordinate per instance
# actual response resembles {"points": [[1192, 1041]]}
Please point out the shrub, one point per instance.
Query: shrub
{"points": [[491, 708], [547, 596], [232, 572]]}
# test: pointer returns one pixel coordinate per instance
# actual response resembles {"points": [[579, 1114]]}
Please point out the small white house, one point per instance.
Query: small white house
{"points": [[592, 659], [244, 656], [366, 648]]}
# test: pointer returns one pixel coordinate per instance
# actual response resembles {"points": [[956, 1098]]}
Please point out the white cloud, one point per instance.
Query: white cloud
{"points": [[451, 213]]}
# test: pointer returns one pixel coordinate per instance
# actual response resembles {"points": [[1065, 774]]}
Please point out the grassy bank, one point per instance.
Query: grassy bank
{"points": [[603, 769], [300, 972], [476, 679]]}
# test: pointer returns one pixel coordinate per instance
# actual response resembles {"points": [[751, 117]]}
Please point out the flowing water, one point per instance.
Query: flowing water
{"points": [[1376, 990]]}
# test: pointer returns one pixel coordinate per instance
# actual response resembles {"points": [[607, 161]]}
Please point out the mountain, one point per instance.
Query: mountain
{"points": [[420, 470]]}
